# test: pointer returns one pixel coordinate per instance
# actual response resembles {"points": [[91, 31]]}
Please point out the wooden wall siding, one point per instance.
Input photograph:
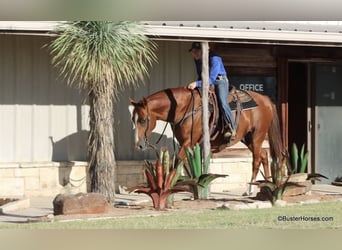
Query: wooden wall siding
{"points": [[243, 60], [308, 53]]}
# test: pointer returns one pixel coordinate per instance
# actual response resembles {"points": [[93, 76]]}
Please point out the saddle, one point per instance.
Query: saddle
{"points": [[238, 100]]}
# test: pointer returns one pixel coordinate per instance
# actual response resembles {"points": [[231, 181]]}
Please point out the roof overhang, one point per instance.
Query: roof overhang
{"points": [[287, 33], [311, 33], [42, 28]]}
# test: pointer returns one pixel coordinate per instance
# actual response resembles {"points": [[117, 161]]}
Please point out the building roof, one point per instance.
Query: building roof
{"points": [[27, 26], [326, 33], [322, 33]]}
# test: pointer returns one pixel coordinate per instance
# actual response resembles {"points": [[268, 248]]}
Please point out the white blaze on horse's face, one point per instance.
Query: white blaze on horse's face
{"points": [[141, 124], [134, 119], [144, 123], [130, 109], [136, 134]]}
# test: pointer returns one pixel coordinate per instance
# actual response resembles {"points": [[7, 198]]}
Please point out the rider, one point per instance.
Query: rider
{"points": [[218, 77]]}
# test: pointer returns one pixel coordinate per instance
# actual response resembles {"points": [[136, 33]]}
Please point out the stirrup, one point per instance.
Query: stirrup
{"points": [[231, 133], [228, 134]]}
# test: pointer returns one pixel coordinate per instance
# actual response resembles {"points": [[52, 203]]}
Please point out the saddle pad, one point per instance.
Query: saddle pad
{"points": [[247, 101]]}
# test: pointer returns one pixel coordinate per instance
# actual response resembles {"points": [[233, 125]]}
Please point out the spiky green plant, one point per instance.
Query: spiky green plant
{"points": [[162, 180], [102, 57], [338, 179], [279, 184], [199, 171], [298, 161]]}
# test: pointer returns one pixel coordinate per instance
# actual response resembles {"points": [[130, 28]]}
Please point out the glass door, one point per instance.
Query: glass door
{"points": [[328, 122]]}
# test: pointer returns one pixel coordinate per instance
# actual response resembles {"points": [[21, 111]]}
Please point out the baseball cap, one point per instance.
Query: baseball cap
{"points": [[195, 45]]}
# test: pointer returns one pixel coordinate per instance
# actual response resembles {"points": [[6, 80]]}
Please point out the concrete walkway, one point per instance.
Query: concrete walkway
{"points": [[35, 207]]}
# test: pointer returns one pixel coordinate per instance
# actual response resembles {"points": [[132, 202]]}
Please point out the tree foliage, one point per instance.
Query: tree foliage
{"points": [[90, 52]]}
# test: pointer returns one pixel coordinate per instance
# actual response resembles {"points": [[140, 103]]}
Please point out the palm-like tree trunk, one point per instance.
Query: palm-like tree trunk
{"points": [[101, 141], [102, 57]]}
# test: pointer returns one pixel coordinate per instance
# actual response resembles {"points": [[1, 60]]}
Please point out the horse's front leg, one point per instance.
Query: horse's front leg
{"points": [[181, 154], [250, 188], [256, 166]]}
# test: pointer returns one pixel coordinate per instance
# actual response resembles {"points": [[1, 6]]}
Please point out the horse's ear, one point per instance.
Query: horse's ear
{"points": [[144, 101], [133, 102]]}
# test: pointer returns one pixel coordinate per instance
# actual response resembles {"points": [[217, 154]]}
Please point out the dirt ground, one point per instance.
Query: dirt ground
{"points": [[146, 209]]}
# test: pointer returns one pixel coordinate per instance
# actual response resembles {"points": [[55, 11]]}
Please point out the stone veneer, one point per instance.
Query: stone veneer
{"points": [[52, 178]]}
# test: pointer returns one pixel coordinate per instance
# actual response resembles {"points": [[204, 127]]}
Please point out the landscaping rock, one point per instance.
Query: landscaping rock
{"points": [[299, 177], [14, 205], [222, 206], [252, 205], [90, 203], [312, 201], [239, 206], [304, 188], [263, 204], [280, 203]]}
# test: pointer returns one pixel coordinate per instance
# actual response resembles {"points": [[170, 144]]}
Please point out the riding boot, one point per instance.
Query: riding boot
{"points": [[231, 133]]}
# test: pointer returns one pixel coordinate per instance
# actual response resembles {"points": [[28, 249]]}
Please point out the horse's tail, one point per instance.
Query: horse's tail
{"points": [[274, 137]]}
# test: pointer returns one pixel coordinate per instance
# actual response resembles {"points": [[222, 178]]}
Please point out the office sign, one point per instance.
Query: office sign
{"points": [[264, 85]]}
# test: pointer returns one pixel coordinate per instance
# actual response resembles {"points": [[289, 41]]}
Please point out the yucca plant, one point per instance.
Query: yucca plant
{"points": [[102, 57], [198, 171], [162, 180]]}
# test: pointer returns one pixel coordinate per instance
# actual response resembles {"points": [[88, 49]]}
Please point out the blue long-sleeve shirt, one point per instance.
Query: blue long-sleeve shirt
{"points": [[216, 68]]}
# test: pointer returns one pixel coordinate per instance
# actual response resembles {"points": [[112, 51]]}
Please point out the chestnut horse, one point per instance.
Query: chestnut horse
{"points": [[181, 107]]}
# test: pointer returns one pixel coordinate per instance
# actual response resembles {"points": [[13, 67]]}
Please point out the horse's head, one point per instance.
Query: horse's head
{"points": [[144, 122]]}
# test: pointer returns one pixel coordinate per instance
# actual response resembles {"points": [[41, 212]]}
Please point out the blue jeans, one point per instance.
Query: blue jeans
{"points": [[222, 91]]}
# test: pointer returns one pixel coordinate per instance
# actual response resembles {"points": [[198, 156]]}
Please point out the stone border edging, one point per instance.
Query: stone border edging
{"points": [[15, 205]]}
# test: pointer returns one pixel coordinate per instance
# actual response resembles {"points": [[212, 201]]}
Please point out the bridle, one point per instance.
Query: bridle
{"points": [[154, 145], [186, 115], [147, 129]]}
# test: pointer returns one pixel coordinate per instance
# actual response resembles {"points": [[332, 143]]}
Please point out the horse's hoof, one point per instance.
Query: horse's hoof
{"points": [[247, 194]]}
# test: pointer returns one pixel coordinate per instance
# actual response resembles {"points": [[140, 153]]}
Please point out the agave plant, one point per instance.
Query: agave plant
{"points": [[279, 184], [198, 171], [338, 179], [162, 180]]}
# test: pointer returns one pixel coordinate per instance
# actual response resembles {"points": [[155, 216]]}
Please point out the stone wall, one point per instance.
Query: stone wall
{"points": [[52, 178], [42, 178], [129, 174], [238, 169]]}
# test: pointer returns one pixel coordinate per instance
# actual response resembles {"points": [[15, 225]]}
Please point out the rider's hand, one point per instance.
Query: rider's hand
{"points": [[192, 85]]}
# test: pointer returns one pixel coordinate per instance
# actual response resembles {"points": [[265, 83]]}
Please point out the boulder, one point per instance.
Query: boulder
{"points": [[298, 177], [81, 203], [303, 188]]}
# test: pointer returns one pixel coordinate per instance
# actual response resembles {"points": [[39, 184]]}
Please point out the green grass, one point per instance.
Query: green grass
{"points": [[212, 219]]}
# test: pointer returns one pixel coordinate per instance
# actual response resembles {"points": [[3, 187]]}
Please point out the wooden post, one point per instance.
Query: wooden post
{"points": [[205, 112]]}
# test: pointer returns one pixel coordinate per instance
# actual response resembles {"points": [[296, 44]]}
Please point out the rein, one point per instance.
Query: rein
{"points": [[153, 146], [178, 123], [191, 113]]}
